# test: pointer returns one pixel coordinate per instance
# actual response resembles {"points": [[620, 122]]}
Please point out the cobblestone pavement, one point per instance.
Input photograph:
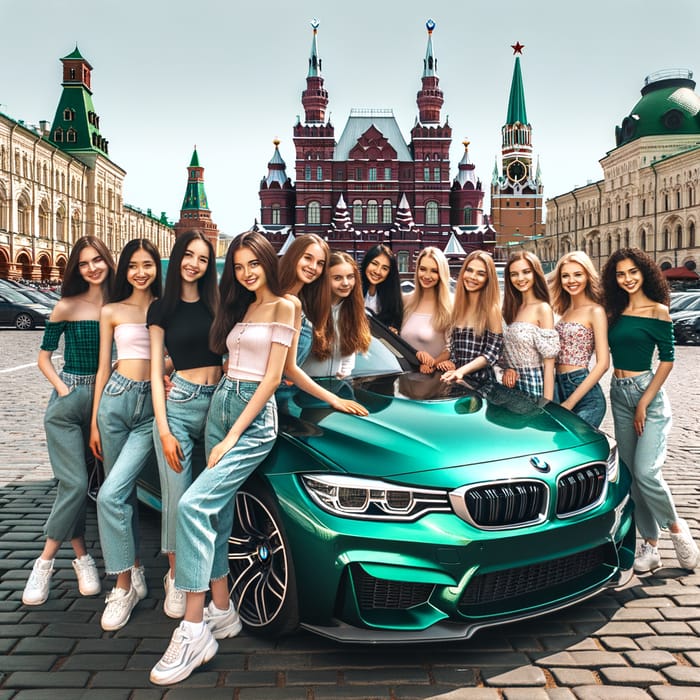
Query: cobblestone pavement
{"points": [[639, 642]]}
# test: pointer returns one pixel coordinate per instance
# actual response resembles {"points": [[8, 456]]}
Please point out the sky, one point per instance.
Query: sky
{"points": [[227, 77]]}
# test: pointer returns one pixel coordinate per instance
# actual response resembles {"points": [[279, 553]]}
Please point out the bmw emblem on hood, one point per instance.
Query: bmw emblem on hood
{"points": [[538, 464]]}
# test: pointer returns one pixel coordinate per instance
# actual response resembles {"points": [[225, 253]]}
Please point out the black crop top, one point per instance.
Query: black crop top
{"points": [[186, 334]]}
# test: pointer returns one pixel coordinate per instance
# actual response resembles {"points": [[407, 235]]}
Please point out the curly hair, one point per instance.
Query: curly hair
{"points": [[654, 284], [513, 298], [561, 299]]}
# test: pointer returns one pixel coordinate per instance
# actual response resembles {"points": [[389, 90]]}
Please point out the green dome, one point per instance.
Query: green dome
{"points": [[669, 106]]}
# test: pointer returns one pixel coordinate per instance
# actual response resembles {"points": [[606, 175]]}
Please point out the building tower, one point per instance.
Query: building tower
{"points": [[467, 197], [314, 141], [430, 146], [516, 192], [276, 194], [195, 214]]}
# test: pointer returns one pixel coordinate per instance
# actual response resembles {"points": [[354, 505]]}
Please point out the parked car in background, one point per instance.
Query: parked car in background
{"points": [[680, 300], [19, 311], [37, 296], [687, 329], [449, 508]]}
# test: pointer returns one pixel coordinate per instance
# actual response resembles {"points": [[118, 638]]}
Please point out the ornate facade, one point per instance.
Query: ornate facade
{"points": [[57, 183], [648, 197]]}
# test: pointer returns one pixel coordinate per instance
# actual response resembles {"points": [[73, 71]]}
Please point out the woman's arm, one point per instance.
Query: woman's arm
{"points": [[171, 446], [47, 368], [104, 369], [640, 413], [599, 323]]}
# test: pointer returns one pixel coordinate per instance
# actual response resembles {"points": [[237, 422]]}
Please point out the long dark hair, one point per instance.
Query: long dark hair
{"points": [[235, 298], [654, 284], [512, 297], [206, 284], [389, 291], [73, 282], [122, 287], [315, 297]]}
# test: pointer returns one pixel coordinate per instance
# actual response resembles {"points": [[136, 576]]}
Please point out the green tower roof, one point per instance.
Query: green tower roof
{"points": [[195, 196], [516, 102], [195, 158]]}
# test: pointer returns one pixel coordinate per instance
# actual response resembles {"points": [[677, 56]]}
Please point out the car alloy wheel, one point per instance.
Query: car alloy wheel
{"points": [[24, 322], [262, 574]]}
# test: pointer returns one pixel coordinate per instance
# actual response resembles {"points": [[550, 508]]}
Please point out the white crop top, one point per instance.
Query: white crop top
{"points": [[249, 348], [132, 341]]}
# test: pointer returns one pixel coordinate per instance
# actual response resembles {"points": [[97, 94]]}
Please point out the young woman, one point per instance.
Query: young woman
{"points": [[122, 422], [181, 321], [88, 276], [636, 301], [301, 274], [350, 330], [255, 325], [476, 337], [530, 343], [583, 333], [381, 286], [428, 309]]}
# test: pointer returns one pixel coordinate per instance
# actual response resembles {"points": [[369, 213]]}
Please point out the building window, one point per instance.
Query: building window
{"points": [[643, 239], [644, 207], [358, 173], [627, 210], [71, 136], [386, 211], [679, 236], [58, 135], [372, 211], [387, 173], [319, 173], [313, 213], [436, 174], [276, 218], [307, 172], [426, 174], [468, 216], [431, 214], [665, 202], [402, 260], [666, 240], [678, 199], [68, 115], [691, 235], [372, 174], [357, 212]]}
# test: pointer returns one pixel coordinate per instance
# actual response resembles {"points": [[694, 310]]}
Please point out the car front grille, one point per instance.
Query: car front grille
{"points": [[581, 488], [506, 504], [376, 593], [525, 580]]}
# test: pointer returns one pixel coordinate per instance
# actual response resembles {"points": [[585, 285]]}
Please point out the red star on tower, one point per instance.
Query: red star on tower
{"points": [[517, 48]]}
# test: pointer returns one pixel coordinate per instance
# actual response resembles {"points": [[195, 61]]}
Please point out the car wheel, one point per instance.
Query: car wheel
{"points": [[263, 585], [24, 322]]}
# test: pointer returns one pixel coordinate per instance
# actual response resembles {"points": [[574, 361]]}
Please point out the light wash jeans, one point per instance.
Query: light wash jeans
{"points": [[286, 391], [125, 421], [67, 425], [206, 510], [187, 406], [645, 455], [591, 406]]}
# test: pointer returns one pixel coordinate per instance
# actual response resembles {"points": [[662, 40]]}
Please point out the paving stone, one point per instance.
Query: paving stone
{"points": [[685, 613], [310, 677], [573, 676], [525, 694], [243, 679], [454, 676], [19, 630], [639, 677], [35, 679], [618, 643], [609, 692], [657, 602], [560, 694], [651, 659], [96, 662], [693, 657], [108, 645], [667, 692], [588, 659], [522, 676], [671, 627], [72, 694], [625, 629], [372, 676], [670, 642], [683, 675], [189, 694], [628, 614], [22, 662], [120, 679]]}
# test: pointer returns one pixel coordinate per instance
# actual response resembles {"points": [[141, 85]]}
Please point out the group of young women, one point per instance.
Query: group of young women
{"points": [[199, 369]]}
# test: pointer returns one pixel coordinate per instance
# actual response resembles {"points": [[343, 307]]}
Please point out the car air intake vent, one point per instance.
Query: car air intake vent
{"points": [[511, 583], [373, 593], [580, 489], [506, 504]]}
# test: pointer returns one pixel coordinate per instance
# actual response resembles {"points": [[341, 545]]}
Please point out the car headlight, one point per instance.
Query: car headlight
{"points": [[370, 499], [612, 462]]}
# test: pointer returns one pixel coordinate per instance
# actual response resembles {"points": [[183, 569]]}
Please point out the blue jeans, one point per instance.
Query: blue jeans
{"points": [[187, 406], [205, 511], [67, 425], [125, 421], [591, 407], [645, 455], [286, 391]]}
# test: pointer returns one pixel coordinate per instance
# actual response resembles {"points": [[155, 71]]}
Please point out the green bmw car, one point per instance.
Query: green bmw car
{"points": [[449, 508]]}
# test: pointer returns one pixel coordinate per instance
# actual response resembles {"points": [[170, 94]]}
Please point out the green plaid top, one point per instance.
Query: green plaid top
{"points": [[82, 344]]}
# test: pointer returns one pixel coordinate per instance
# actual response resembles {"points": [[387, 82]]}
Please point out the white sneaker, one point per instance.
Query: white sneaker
{"points": [[222, 623], [175, 600], [36, 591], [646, 559], [184, 654], [88, 578], [119, 604], [686, 549], [138, 581]]}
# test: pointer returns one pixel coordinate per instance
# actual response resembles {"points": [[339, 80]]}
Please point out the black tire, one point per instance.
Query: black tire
{"points": [[263, 583], [24, 322]]}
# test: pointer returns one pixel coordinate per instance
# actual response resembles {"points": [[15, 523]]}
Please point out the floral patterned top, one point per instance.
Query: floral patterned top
{"points": [[576, 342], [526, 345]]}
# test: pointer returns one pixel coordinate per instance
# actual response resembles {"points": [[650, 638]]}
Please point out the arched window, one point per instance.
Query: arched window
{"points": [[319, 173], [402, 260], [75, 227], [468, 213], [691, 235], [386, 211], [60, 225], [643, 239], [357, 212], [276, 214], [44, 219], [313, 213], [307, 172], [431, 213], [679, 236], [666, 240], [372, 212]]}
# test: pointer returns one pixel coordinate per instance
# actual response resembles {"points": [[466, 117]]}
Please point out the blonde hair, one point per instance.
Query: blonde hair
{"points": [[489, 294], [513, 298], [561, 299], [442, 312]]}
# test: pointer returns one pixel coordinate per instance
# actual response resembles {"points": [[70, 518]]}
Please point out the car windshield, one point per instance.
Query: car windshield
{"points": [[381, 358], [14, 296]]}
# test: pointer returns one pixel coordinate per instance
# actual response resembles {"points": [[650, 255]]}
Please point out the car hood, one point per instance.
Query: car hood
{"points": [[417, 425]]}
